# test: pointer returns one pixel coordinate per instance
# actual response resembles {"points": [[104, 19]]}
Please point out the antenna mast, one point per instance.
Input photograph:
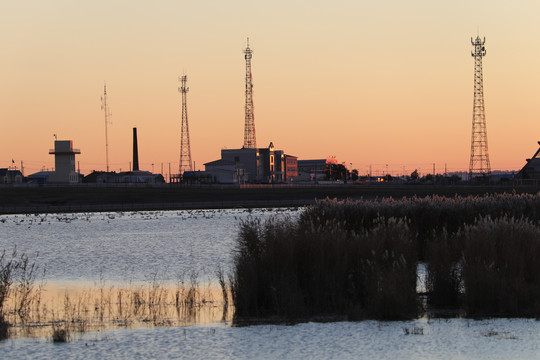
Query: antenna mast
{"points": [[249, 128], [185, 148], [105, 108], [479, 164]]}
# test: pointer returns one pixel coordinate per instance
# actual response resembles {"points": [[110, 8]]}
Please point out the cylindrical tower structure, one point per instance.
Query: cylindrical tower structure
{"points": [[135, 151]]}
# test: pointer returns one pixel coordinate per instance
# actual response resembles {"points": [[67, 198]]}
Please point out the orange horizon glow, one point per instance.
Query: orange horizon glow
{"points": [[377, 85]]}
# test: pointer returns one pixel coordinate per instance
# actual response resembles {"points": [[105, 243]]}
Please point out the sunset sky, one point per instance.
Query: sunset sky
{"points": [[369, 82]]}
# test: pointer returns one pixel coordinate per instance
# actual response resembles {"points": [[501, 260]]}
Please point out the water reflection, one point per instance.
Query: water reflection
{"points": [[78, 309], [124, 269]]}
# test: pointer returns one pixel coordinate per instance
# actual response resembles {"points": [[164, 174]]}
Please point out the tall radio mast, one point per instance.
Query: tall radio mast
{"points": [[105, 108], [249, 128], [479, 164], [185, 148]]}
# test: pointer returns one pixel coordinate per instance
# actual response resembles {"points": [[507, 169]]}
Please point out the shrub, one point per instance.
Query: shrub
{"points": [[60, 335]]}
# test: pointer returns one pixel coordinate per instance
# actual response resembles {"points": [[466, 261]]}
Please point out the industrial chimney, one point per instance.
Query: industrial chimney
{"points": [[135, 151]]}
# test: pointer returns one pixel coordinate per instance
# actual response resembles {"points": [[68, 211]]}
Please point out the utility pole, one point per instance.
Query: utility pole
{"points": [[479, 163]]}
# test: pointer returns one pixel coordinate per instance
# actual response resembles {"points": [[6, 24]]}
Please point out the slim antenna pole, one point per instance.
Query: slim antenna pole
{"points": [[105, 108]]}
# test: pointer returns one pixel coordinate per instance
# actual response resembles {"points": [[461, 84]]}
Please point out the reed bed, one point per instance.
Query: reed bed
{"points": [[288, 271], [501, 268], [427, 217], [358, 259]]}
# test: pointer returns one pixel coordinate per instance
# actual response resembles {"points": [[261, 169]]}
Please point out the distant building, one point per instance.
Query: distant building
{"points": [[271, 164], [223, 172], [197, 177], [531, 170], [41, 177], [8, 176], [276, 166], [101, 177], [312, 170], [245, 159], [291, 168], [64, 162], [124, 177], [247, 165]]}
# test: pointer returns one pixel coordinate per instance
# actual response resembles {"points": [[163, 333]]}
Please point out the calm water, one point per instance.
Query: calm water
{"points": [[441, 339], [132, 247], [129, 247]]}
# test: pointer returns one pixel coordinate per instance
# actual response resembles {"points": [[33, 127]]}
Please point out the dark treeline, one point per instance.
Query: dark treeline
{"points": [[358, 259]]}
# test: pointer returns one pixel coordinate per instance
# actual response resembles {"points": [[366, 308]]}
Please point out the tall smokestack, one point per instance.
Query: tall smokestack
{"points": [[135, 151]]}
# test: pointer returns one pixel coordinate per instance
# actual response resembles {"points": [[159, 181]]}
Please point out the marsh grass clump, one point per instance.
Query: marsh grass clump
{"points": [[444, 279], [8, 266], [25, 290], [17, 287], [389, 266], [299, 271], [4, 328], [501, 271]]}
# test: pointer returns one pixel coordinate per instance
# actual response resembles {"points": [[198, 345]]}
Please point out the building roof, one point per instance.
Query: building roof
{"points": [[41, 174], [312, 162], [531, 170], [245, 150], [219, 162]]}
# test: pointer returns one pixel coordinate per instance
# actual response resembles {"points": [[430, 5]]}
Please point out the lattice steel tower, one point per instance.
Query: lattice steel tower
{"points": [[249, 127], [479, 164], [185, 149]]}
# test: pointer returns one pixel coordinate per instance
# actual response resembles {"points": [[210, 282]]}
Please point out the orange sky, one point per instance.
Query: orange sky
{"points": [[372, 83]]}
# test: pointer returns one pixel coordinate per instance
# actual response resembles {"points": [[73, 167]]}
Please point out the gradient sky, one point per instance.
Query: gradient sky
{"points": [[370, 82]]}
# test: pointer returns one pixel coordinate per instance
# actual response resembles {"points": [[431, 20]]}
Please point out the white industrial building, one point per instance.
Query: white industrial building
{"points": [[224, 171], [64, 163]]}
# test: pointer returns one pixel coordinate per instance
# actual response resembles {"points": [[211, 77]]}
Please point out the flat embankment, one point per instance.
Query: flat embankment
{"points": [[86, 197]]}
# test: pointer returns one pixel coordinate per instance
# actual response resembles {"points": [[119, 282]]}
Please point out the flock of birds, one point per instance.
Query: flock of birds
{"points": [[39, 219]]}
